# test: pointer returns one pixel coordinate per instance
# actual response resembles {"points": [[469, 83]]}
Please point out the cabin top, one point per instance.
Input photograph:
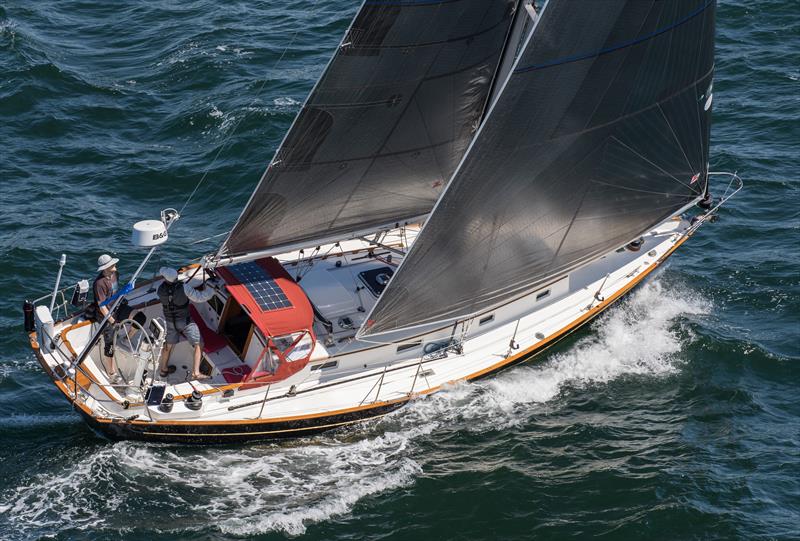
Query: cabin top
{"points": [[276, 304]]}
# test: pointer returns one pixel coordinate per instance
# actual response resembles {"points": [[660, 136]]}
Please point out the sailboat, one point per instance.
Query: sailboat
{"points": [[467, 183]]}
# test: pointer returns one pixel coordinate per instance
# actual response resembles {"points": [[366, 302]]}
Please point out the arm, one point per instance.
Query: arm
{"points": [[198, 295], [101, 293], [104, 312]]}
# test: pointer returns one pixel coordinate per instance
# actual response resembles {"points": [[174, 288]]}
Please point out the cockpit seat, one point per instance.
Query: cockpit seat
{"points": [[235, 374], [211, 341]]}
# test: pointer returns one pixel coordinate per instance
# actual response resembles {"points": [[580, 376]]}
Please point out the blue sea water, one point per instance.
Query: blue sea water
{"points": [[675, 416]]}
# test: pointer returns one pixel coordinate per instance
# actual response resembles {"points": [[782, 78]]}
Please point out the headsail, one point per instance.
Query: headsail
{"points": [[386, 125], [600, 132]]}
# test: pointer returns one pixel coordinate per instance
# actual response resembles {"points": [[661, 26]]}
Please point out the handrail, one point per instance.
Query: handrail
{"points": [[735, 184], [379, 384], [59, 306]]}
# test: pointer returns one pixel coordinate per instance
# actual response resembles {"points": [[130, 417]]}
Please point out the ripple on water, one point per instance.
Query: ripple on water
{"points": [[286, 487], [672, 417]]}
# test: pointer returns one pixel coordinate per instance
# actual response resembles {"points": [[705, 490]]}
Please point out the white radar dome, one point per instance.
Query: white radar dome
{"points": [[148, 233]]}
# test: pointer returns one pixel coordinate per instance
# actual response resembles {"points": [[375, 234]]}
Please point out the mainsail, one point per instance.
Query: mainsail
{"points": [[386, 125], [600, 133]]}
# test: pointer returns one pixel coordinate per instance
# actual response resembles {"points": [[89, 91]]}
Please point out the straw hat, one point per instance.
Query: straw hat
{"points": [[105, 261]]}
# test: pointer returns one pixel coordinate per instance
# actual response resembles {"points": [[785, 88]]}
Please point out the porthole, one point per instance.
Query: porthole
{"points": [[325, 366], [542, 295], [405, 347]]}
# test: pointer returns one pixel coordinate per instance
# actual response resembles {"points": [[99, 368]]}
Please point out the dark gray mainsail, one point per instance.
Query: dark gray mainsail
{"points": [[600, 133], [386, 125]]}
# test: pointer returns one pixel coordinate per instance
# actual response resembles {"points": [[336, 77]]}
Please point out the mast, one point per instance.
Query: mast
{"points": [[599, 133], [524, 17]]}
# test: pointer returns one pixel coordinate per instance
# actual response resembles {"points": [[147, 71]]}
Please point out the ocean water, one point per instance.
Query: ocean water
{"points": [[674, 416]]}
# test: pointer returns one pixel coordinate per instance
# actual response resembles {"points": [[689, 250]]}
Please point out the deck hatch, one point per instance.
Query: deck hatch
{"points": [[376, 279]]}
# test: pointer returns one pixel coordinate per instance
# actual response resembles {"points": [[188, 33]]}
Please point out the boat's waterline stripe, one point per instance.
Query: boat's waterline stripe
{"points": [[542, 345], [265, 432]]}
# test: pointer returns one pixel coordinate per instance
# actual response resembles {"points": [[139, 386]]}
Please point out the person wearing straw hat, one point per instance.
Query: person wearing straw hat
{"points": [[105, 286]]}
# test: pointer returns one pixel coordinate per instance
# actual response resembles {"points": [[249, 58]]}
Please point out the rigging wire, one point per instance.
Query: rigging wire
{"points": [[209, 238], [239, 122]]}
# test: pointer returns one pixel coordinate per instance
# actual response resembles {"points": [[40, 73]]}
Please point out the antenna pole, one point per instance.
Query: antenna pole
{"points": [[96, 337], [61, 263], [169, 217]]}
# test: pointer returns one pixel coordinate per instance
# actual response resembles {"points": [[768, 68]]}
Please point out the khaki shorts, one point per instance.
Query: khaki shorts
{"points": [[180, 328]]}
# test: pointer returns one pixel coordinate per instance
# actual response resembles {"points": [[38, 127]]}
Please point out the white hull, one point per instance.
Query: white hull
{"points": [[349, 380]]}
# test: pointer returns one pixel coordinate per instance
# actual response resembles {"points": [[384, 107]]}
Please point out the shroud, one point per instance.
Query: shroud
{"points": [[600, 132], [385, 126]]}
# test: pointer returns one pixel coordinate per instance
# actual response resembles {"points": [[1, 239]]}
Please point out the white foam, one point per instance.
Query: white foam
{"points": [[285, 102], [254, 489], [637, 338], [64, 499], [332, 481], [183, 54], [7, 27], [8, 368], [241, 491]]}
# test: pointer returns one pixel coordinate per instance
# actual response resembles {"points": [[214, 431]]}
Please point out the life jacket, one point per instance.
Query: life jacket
{"points": [[174, 300]]}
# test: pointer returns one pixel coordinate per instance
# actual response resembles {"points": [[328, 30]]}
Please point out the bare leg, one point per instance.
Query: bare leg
{"points": [[110, 366], [165, 353], [198, 356]]}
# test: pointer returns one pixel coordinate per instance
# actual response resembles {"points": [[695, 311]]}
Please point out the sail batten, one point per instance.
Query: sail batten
{"points": [[599, 133], [385, 126]]}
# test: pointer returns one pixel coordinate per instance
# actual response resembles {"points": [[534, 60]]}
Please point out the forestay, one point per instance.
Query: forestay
{"points": [[600, 133], [385, 127]]}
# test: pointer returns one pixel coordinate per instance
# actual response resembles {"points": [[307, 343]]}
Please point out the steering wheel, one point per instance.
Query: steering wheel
{"points": [[143, 346]]}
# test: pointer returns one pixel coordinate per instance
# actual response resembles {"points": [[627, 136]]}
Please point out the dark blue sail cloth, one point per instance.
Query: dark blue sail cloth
{"points": [[386, 125], [600, 133]]}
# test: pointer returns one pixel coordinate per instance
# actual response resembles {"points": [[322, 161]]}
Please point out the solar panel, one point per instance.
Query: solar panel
{"points": [[261, 286]]}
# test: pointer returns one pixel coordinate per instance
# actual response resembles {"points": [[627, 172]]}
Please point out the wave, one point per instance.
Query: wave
{"points": [[27, 420], [639, 338], [288, 486], [225, 123]]}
